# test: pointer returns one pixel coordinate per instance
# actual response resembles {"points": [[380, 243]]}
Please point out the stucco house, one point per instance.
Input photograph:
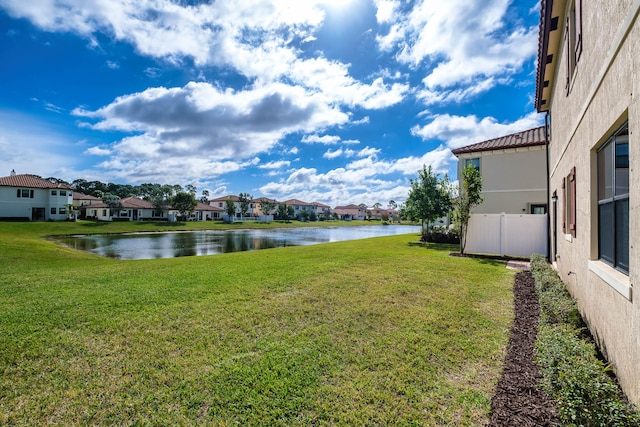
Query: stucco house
{"points": [[32, 198], [221, 202], [588, 86], [349, 212], [133, 209], [322, 210], [513, 171], [299, 206]]}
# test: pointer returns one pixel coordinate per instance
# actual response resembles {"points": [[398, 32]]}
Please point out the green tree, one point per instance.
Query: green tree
{"points": [[230, 209], [113, 202], [205, 197], [191, 189], [268, 206], [392, 204], [469, 195], [160, 198], [244, 199], [184, 203], [429, 198]]}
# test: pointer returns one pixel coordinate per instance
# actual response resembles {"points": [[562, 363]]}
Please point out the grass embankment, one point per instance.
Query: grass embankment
{"points": [[367, 332]]}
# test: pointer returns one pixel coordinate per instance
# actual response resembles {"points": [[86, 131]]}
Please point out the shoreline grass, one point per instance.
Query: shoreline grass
{"points": [[375, 331]]}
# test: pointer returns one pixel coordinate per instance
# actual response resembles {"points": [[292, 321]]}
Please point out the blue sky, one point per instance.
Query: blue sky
{"points": [[336, 101]]}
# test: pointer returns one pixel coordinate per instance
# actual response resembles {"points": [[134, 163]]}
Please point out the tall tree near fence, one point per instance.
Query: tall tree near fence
{"points": [[244, 199], [184, 202], [429, 198], [468, 197]]}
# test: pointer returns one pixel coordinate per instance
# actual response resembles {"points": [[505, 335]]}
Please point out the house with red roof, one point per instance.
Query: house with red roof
{"points": [[513, 169], [29, 197]]}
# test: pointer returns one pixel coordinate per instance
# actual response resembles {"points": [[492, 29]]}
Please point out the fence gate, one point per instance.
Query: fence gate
{"points": [[507, 234]]}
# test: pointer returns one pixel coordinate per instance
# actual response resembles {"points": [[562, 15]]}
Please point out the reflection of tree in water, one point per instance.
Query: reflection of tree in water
{"points": [[184, 244]]}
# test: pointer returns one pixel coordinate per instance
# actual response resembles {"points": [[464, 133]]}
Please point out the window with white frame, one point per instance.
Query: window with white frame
{"points": [[613, 200]]}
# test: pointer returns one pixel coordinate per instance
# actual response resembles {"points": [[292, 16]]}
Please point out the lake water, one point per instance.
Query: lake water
{"points": [[210, 242]]}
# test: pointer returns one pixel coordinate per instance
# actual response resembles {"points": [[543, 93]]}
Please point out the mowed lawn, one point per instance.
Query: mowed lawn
{"points": [[371, 332]]}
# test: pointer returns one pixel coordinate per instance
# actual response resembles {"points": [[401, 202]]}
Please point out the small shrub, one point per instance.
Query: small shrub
{"points": [[441, 235], [572, 373]]}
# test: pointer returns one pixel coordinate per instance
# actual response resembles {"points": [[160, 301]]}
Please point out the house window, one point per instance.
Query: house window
{"points": [[24, 193], [53, 211], [104, 212], [62, 211], [475, 163], [613, 200], [573, 39], [538, 209], [63, 193], [54, 192], [569, 203]]}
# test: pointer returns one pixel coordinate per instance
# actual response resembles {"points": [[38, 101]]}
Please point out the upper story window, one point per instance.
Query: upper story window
{"points": [[54, 192], [24, 193], [63, 193], [573, 39], [475, 163], [613, 200]]}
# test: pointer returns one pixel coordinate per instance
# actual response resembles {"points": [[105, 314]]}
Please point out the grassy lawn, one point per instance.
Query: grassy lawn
{"points": [[371, 332]]}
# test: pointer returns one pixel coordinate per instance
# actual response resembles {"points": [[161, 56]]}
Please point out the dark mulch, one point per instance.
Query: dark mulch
{"points": [[519, 399]]}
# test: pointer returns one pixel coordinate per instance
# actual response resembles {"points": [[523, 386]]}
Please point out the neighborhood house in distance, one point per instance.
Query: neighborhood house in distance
{"points": [[26, 197], [30, 198]]}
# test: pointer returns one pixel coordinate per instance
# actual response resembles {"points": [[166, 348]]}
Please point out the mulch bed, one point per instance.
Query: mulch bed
{"points": [[519, 399]]}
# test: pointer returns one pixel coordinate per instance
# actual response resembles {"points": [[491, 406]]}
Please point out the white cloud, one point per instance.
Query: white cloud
{"points": [[254, 38], [333, 154], [275, 165], [204, 120], [324, 139], [458, 131], [97, 151], [367, 179], [458, 41]]}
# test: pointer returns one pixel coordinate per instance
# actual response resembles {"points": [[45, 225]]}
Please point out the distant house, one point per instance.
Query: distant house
{"points": [[221, 202], [132, 209], [587, 84], [32, 198], [83, 201], [205, 212], [299, 207], [259, 211], [513, 171], [322, 210], [351, 212]]}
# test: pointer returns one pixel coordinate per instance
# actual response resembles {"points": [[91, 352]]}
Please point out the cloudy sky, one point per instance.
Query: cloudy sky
{"points": [[337, 101]]}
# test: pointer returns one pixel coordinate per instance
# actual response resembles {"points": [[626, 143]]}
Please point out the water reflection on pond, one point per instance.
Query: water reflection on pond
{"points": [[209, 242]]}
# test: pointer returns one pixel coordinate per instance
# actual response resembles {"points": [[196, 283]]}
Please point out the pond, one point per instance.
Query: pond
{"points": [[211, 242]]}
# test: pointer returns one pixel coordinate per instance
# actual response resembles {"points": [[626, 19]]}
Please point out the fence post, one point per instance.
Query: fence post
{"points": [[503, 234]]}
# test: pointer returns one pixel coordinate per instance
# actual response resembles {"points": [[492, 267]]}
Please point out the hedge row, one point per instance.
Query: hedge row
{"points": [[580, 383]]}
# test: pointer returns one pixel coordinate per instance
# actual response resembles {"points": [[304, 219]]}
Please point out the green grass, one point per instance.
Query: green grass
{"points": [[371, 332]]}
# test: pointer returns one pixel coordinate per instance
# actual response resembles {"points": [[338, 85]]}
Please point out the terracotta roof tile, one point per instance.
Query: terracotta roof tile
{"points": [[29, 181], [525, 138]]}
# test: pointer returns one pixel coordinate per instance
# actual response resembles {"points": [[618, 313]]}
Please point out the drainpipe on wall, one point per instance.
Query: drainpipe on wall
{"points": [[546, 139]]}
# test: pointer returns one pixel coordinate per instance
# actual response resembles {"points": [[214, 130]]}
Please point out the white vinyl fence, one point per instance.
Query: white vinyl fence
{"points": [[507, 234]]}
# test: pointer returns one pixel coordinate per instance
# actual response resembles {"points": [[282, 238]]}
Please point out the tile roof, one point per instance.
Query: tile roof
{"points": [[225, 198], [297, 202], [205, 207], [82, 196], [29, 181], [525, 138]]}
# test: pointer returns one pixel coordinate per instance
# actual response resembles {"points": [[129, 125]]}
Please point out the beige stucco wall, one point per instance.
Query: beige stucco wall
{"points": [[604, 93], [512, 179]]}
